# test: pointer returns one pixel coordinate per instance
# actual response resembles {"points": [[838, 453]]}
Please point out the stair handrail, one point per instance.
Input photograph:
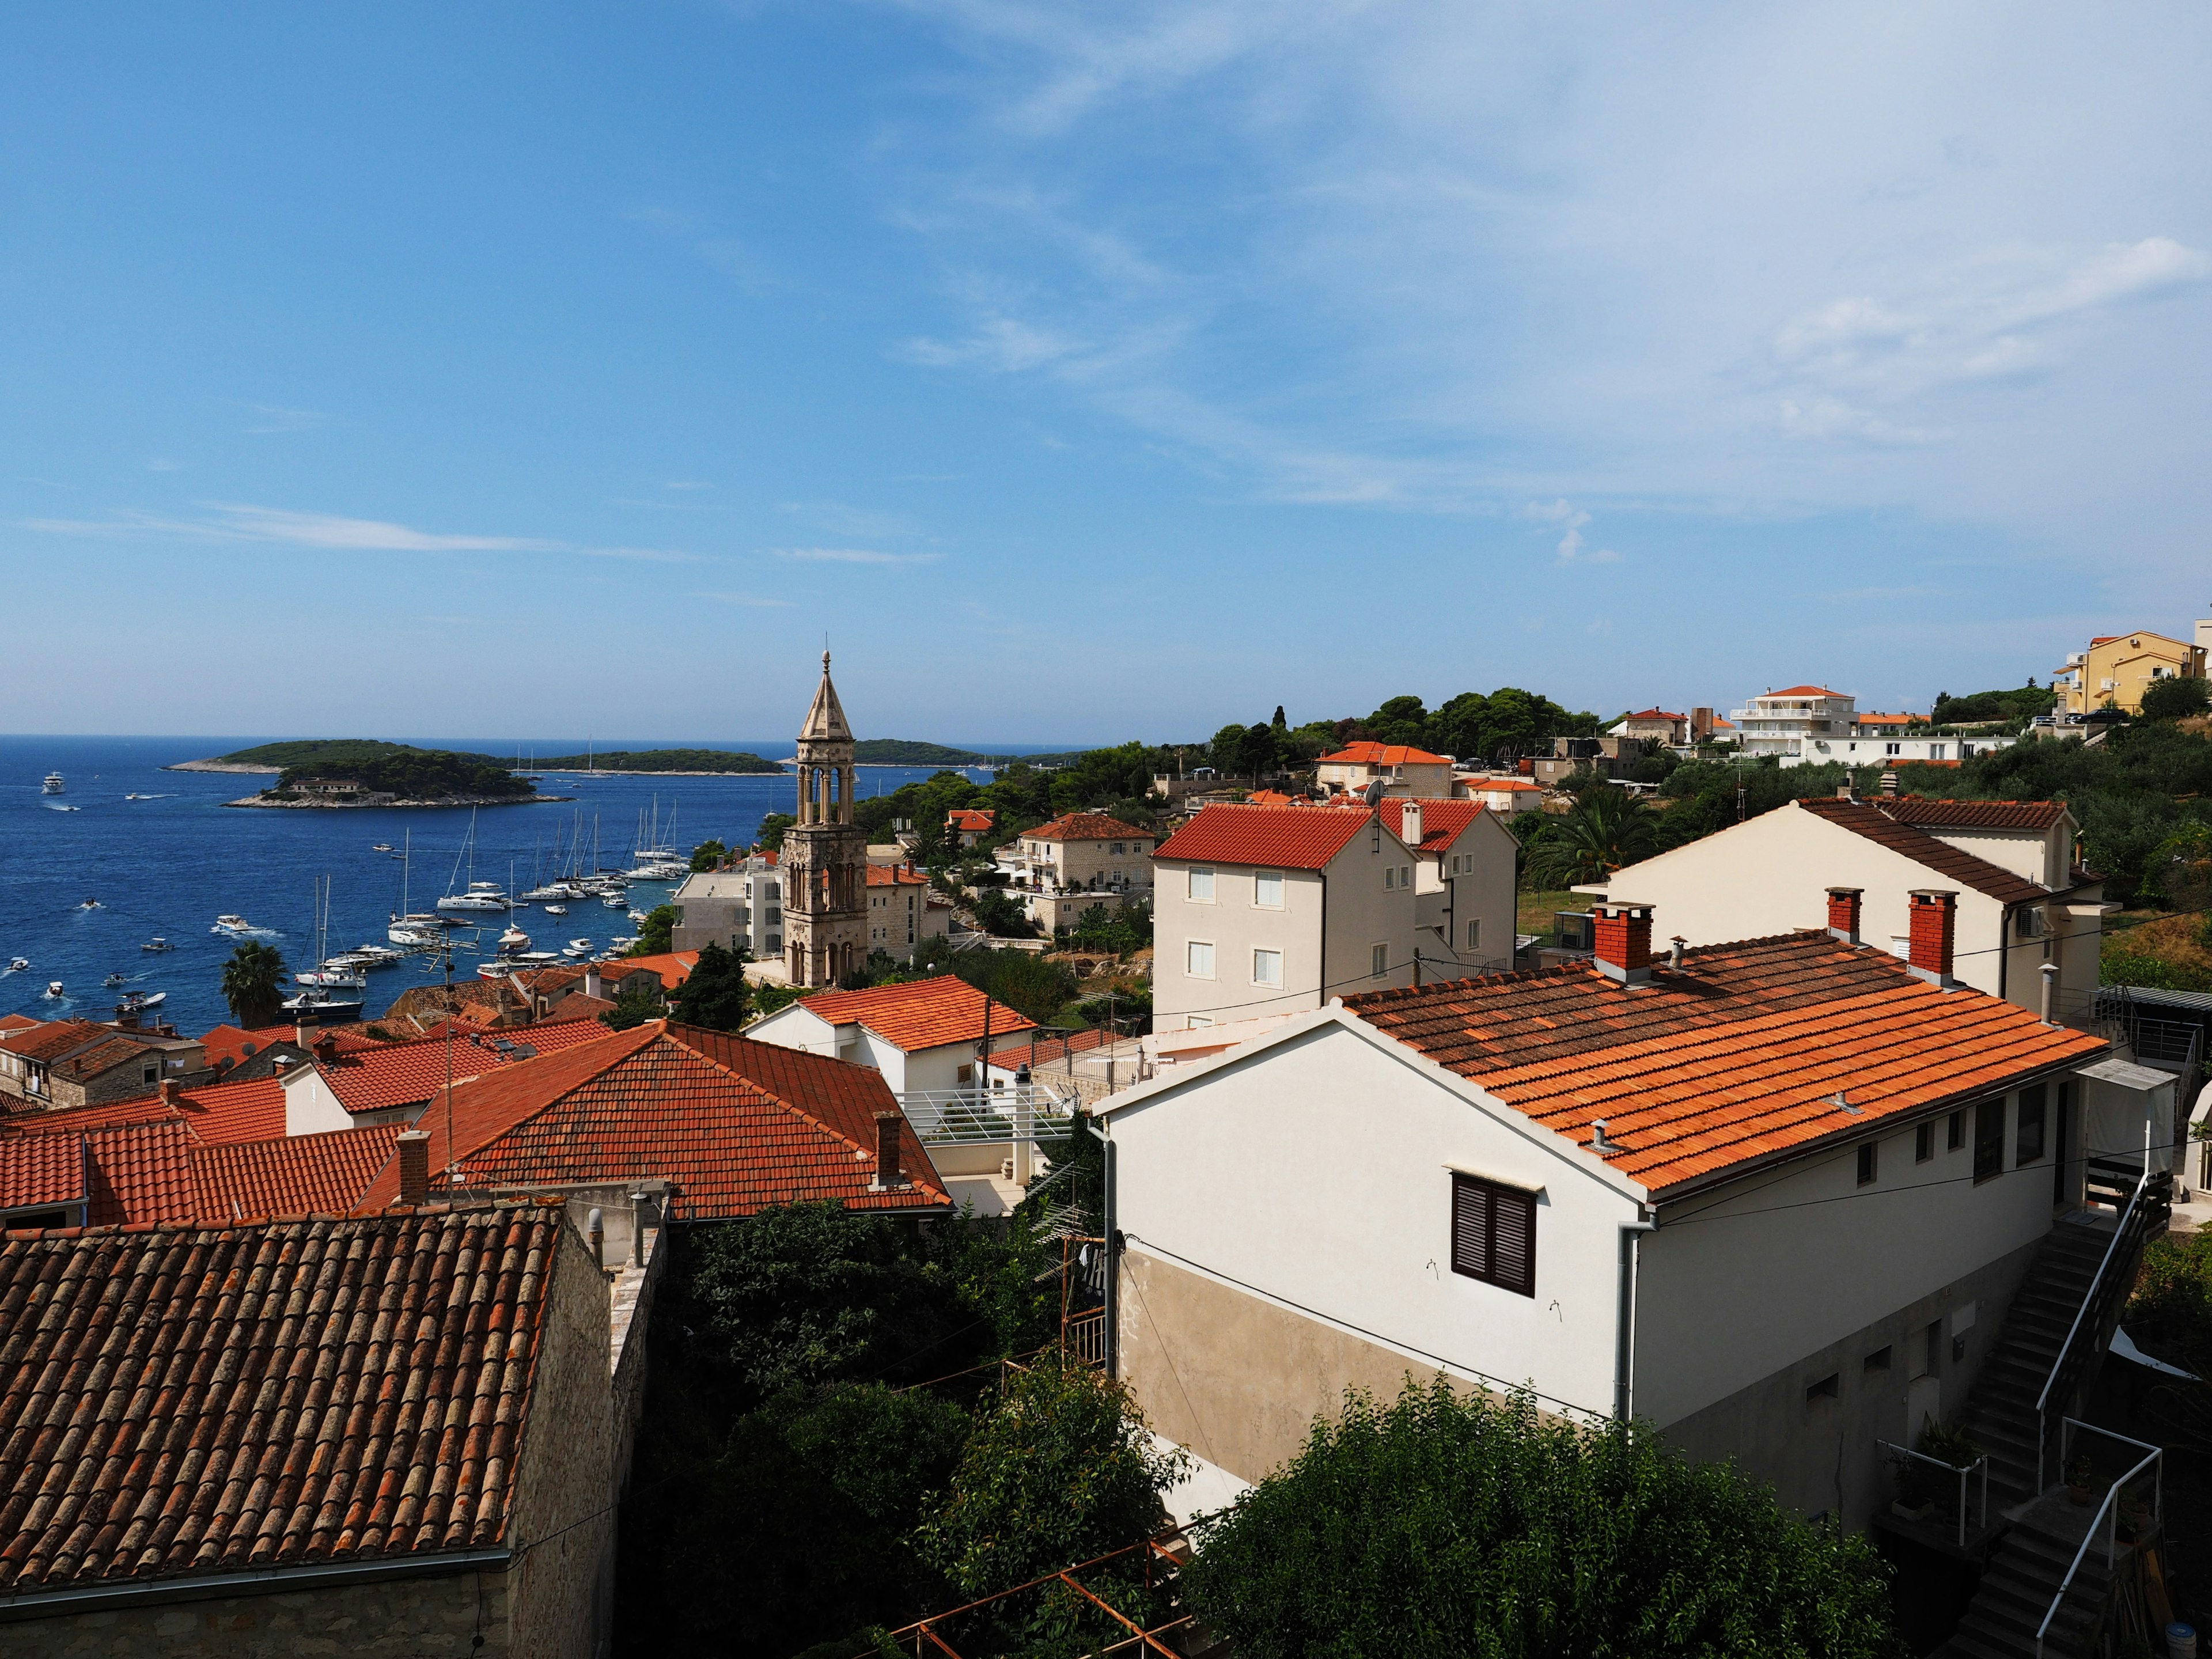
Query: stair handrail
{"points": [[1981, 1463], [2111, 1526], [2088, 1299]]}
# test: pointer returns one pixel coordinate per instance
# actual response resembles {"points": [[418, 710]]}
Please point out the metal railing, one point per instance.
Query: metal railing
{"points": [[1981, 1463], [2133, 1223], [2107, 1515], [972, 1115]]}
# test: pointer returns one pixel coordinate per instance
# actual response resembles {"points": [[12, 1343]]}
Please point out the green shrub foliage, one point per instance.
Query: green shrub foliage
{"points": [[1442, 1526]]}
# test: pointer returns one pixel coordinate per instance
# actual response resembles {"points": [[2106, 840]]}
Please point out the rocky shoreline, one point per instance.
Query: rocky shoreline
{"points": [[222, 766], [374, 803]]}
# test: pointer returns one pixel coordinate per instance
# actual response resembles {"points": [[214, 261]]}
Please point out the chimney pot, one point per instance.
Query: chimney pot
{"points": [[1934, 917], [1844, 913], [415, 1167], [887, 1151], [1675, 947], [1623, 940]]}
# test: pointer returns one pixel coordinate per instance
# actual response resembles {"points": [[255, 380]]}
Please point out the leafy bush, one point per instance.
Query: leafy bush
{"points": [[2021, 704], [1129, 928], [2173, 699], [715, 996], [1002, 917], [655, 933], [637, 1004], [1442, 1526]]}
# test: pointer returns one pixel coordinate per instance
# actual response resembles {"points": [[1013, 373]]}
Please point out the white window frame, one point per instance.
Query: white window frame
{"points": [[1198, 886], [1263, 956], [1190, 949], [1261, 881], [1474, 934], [1378, 959], [1389, 879]]}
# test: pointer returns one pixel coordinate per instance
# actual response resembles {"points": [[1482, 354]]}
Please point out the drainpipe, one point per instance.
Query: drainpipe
{"points": [[1624, 1351], [1113, 1236]]}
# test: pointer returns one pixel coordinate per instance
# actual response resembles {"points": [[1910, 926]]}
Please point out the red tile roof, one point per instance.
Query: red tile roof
{"points": [[1803, 692], [923, 1013], [1086, 826], [175, 1409], [49, 1040], [674, 967], [409, 1074], [300, 1174], [1734, 1060], [1655, 714], [88, 1063], [1442, 821], [40, 1169], [231, 1044], [217, 1113], [1871, 719], [1364, 753], [141, 1173], [1923, 812], [737, 1125], [1478, 785], [1284, 837], [18, 1022], [970, 817], [1953, 863], [894, 875]]}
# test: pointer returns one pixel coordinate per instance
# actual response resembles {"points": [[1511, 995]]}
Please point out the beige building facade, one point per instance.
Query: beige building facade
{"points": [[2117, 669]]}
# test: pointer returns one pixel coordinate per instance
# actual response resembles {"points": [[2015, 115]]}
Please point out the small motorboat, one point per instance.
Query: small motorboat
{"points": [[54, 988], [617, 946], [380, 847], [637, 915], [91, 904], [134, 1000], [18, 964], [513, 940], [53, 785], [556, 909], [614, 901], [328, 1006], [332, 978], [115, 980], [578, 949], [233, 924], [157, 943]]}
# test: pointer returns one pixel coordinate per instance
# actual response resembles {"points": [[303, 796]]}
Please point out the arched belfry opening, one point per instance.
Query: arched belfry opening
{"points": [[825, 855]]}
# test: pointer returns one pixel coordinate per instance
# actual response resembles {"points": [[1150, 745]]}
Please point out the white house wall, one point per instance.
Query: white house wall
{"points": [[1235, 924], [310, 1108], [1318, 1171], [1363, 913]]}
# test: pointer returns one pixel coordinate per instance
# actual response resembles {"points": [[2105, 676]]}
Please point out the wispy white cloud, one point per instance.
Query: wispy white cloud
{"points": [[1830, 417], [752, 599], [236, 521], [740, 261], [852, 556], [643, 555], [1004, 345], [1572, 520]]}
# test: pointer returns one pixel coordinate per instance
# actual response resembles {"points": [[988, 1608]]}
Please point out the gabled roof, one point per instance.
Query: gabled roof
{"points": [[1365, 753], [971, 818], [217, 1113], [409, 1074], [234, 1044], [1655, 714], [1478, 785], [923, 1013], [1284, 837], [1953, 863], [737, 1125], [49, 1040], [326, 1174], [1442, 821], [1803, 691], [236, 1432], [674, 967], [1734, 1060], [1086, 826], [2035, 817], [894, 875], [141, 1173]]}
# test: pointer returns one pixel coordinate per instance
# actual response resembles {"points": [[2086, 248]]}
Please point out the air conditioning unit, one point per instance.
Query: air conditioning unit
{"points": [[1576, 929]]}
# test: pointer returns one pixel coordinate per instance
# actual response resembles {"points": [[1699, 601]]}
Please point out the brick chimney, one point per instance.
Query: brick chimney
{"points": [[887, 1151], [325, 1046], [1935, 926], [1844, 913], [413, 1167], [1623, 940], [171, 1092]]}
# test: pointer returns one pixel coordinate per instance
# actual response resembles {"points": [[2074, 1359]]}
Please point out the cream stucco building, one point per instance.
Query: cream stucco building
{"points": [[2117, 669]]}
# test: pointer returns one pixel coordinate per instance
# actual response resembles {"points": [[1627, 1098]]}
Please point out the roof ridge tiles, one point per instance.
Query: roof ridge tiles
{"points": [[770, 1095]]}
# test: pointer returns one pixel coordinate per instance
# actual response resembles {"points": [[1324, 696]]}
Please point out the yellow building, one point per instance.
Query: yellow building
{"points": [[2117, 669]]}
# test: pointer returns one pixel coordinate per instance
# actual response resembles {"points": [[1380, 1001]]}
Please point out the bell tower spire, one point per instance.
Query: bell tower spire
{"points": [[826, 854]]}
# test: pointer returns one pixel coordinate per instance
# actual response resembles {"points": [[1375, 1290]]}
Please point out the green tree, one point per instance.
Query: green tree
{"points": [[715, 995], [1002, 916], [1059, 1471], [1608, 829], [252, 981], [770, 833], [653, 933], [1439, 1526], [708, 855], [2173, 699], [637, 1004]]}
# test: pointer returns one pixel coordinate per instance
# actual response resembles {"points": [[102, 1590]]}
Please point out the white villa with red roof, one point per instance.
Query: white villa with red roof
{"points": [[1060, 869], [1778, 1197], [1811, 726], [1399, 768], [925, 1037]]}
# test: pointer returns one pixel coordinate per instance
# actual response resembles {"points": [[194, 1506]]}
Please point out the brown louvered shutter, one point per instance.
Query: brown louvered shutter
{"points": [[1494, 1233]]}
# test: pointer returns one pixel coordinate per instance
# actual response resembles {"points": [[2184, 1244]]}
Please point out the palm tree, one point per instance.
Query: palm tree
{"points": [[250, 979], [1607, 829]]}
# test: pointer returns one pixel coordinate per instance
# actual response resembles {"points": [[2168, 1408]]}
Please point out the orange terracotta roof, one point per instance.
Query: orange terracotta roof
{"points": [[87, 1063], [18, 1022], [217, 1113], [1442, 821], [1276, 797], [923, 1013], [1803, 692], [1955, 863], [1925, 812], [1734, 1060], [324, 1174], [1365, 753], [49, 1040], [236, 1434], [970, 817], [737, 1125], [1086, 826], [142, 1173], [1285, 837], [409, 1074], [1477, 786], [36, 1170], [1886, 720], [1655, 714], [674, 967], [894, 875]]}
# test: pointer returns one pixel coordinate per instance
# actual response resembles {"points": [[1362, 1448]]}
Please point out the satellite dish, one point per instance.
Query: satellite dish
{"points": [[1373, 794]]}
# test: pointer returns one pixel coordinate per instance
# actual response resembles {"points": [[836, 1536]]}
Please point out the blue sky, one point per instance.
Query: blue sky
{"points": [[1086, 371]]}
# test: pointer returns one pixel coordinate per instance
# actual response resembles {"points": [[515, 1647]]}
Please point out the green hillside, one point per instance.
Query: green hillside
{"points": [[906, 752], [327, 755], [660, 760]]}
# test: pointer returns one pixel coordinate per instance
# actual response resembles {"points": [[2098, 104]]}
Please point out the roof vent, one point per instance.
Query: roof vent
{"points": [[1599, 1143], [1842, 1103]]}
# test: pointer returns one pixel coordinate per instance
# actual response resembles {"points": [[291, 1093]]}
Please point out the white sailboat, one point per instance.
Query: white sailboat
{"points": [[479, 895]]}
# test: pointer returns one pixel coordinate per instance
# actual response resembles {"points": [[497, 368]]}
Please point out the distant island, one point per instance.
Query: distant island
{"points": [[692, 761], [906, 751], [346, 772]]}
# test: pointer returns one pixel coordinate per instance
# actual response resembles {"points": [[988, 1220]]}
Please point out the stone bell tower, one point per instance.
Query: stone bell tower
{"points": [[826, 854]]}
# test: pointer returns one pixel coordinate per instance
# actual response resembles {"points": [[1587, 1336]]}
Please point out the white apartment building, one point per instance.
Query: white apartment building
{"points": [[1463, 888], [1060, 869], [1783, 722], [1399, 768], [741, 906]]}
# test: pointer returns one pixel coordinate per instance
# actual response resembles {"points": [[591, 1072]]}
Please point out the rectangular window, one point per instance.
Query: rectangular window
{"points": [[1878, 1360], [1923, 1142], [1200, 890], [1954, 1133], [1267, 889], [1494, 1233], [1198, 959], [1866, 1163], [1389, 879], [1379, 958], [1989, 1138], [2027, 1132], [153, 1074], [1267, 966], [1474, 936], [1405, 875], [1825, 1389]]}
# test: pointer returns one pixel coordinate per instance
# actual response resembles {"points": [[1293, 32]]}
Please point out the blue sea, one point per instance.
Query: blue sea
{"points": [[172, 861]]}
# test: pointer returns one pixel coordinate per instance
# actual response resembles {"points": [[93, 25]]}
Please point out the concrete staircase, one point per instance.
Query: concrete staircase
{"points": [[2031, 1558]]}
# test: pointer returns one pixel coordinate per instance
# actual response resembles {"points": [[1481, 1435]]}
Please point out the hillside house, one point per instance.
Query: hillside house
{"points": [[925, 1037], [1399, 768]]}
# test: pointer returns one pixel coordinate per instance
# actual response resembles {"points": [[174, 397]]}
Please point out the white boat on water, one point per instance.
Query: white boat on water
{"points": [[577, 949], [54, 988], [615, 902], [233, 924], [53, 785], [520, 962], [316, 1004], [621, 943], [556, 909], [331, 979], [374, 955], [133, 1001], [157, 943], [115, 980], [511, 940], [480, 896], [637, 915], [18, 964], [92, 904]]}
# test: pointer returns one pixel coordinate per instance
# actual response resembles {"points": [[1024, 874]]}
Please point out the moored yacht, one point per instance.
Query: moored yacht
{"points": [[328, 1006], [53, 785], [480, 896], [233, 924]]}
